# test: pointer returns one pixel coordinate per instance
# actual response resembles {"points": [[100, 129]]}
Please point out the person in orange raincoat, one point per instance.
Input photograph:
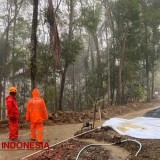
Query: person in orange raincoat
{"points": [[13, 113], [36, 114]]}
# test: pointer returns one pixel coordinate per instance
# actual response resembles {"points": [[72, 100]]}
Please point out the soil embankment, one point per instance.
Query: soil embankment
{"points": [[54, 133]]}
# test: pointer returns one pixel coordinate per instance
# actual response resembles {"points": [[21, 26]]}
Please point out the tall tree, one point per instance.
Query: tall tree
{"points": [[90, 19], [129, 11], [107, 25], [54, 35], [33, 65], [54, 41], [70, 36], [154, 22], [6, 56], [69, 53]]}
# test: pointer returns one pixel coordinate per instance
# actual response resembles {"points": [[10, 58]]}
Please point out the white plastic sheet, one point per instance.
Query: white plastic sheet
{"points": [[140, 127]]}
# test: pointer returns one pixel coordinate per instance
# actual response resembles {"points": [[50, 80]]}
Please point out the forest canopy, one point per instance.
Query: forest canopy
{"points": [[78, 51]]}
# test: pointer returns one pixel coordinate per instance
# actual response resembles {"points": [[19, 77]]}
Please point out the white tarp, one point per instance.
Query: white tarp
{"points": [[140, 127]]}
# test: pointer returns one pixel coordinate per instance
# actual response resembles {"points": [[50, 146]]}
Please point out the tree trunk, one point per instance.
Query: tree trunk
{"points": [[91, 51], [112, 93], [110, 22], [24, 90], [1, 88], [152, 80], [99, 73], [54, 35], [86, 88], [147, 65], [109, 85], [144, 8], [107, 11], [13, 44], [55, 90], [155, 41], [121, 63], [54, 43], [71, 13], [86, 67], [5, 62], [73, 88], [11, 20], [70, 37], [147, 81], [34, 44], [60, 107], [95, 38]]}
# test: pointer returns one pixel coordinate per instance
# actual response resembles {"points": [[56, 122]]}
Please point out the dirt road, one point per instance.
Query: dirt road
{"points": [[53, 134]]}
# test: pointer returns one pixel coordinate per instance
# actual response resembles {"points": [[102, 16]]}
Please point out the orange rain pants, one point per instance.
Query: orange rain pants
{"points": [[37, 126], [13, 129]]}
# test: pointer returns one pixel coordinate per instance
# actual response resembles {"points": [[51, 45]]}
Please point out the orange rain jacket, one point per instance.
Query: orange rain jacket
{"points": [[36, 109]]}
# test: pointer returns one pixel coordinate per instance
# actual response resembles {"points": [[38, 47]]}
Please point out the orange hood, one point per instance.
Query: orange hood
{"points": [[35, 93]]}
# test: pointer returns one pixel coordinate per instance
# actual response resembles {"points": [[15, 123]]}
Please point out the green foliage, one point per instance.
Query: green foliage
{"points": [[139, 92], [45, 62], [126, 14], [129, 71], [96, 81], [71, 49], [49, 94], [23, 28], [92, 81], [19, 60], [138, 19], [90, 17]]}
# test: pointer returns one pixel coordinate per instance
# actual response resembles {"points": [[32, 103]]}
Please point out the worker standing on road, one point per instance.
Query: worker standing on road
{"points": [[13, 113], [36, 114]]}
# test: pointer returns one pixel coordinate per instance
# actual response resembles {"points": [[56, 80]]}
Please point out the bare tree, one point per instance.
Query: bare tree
{"points": [[12, 19], [34, 44], [71, 14], [54, 35], [54, 40]]}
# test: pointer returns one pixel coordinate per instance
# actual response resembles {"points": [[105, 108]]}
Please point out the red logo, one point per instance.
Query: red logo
{"points": [[24, 145]]}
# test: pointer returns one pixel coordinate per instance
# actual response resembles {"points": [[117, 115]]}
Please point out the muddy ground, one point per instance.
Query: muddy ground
{"points": [[150, 148], [68, 151]]}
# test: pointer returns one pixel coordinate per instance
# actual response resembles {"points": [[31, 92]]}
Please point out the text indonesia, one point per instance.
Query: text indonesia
{"points": [[24, 145]]}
